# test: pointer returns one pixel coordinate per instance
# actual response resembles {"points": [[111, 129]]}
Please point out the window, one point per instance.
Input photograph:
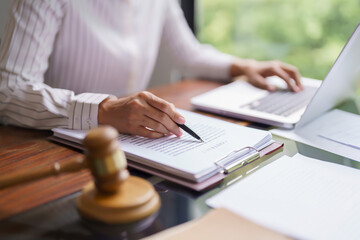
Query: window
{"points": [[306, 33]]}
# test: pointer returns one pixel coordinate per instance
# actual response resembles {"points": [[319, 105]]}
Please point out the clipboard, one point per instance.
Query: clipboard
{"points": [[224, 168]]}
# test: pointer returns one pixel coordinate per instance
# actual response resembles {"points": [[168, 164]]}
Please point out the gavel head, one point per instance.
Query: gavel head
{"points": [[116, 198], [106, 160]]}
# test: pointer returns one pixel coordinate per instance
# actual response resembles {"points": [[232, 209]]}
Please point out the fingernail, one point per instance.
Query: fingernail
{"points": [[296, 88], [179, 133], [180, 120], [271, 88]]}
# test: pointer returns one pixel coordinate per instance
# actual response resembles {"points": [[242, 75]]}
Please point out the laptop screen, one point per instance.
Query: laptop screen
{"points": [[339, 84]]}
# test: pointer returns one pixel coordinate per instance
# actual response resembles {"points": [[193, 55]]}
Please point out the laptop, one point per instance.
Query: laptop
{"points": [[282, 107]]}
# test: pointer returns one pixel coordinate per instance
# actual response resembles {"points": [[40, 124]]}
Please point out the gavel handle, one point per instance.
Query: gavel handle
{"points": [[20, 177]]}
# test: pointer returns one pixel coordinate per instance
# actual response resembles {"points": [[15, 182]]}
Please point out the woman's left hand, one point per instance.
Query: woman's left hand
{"points": [[257, 71]]}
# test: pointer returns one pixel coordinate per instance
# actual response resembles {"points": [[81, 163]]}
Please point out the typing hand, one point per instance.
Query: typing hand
{"points": [[142, 114], [256, 72]]}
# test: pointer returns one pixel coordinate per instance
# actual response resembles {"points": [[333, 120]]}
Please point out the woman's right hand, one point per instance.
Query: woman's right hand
{"points": [[142, 114]]}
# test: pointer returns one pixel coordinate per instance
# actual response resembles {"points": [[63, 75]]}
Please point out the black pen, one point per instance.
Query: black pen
{"points": [[189, 131]]}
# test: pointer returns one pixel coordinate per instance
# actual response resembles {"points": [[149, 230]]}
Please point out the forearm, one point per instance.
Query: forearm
{"points": [[191, 57], [25, 100], [206, 63], [37, 105]]}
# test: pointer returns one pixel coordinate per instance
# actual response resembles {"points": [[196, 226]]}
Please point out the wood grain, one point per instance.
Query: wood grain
{"points": [[28, 149], [22, 148]]}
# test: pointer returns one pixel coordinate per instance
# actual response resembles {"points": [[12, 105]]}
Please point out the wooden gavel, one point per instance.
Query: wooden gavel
{"points": [[104, 158], [116, 197]]}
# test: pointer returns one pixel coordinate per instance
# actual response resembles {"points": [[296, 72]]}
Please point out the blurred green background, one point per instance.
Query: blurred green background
{"points": [[306, 33]]}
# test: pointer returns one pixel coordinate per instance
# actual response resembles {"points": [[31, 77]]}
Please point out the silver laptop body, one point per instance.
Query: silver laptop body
{"points": [[284, 108]]}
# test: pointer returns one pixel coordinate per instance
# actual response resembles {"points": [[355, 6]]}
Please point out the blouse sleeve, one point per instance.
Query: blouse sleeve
{"points": [[25, 100], [188, 54]]}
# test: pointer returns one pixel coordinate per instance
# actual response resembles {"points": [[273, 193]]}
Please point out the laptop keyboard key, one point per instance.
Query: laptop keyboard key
{"points": [[283, 102]]}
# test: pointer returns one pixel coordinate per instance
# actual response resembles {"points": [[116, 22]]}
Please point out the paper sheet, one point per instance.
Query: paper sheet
{"points": [[173, 146], [301, 197], [324, 133], [342, 127]]}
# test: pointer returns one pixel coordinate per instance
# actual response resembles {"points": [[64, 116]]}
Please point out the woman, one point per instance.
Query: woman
{"points": [[63, 62]]}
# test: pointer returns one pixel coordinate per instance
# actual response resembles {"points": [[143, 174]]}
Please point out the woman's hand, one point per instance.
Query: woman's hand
{"points": [[256, 72], [142, 114]]}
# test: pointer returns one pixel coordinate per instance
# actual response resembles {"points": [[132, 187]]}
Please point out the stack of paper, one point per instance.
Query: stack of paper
{"points": [[301, 197], [186, 158]]}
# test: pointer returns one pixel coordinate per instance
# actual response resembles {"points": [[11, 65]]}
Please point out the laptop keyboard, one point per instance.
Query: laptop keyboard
{"points": [[282, 102]]}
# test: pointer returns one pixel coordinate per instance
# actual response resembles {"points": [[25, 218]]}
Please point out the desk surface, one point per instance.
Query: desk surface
{"points": [[26, 148]]}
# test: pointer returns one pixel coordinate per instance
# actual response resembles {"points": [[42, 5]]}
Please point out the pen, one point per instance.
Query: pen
{"points": [[189, 131]]}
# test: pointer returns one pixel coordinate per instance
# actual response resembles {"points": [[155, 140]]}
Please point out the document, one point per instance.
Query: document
{"points": [[336, 132], [342, 127], [173, 146], [301, 197], [187, 157]]}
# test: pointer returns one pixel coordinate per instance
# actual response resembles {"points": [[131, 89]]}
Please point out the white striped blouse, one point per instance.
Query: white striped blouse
{"points": [[60, 58]]}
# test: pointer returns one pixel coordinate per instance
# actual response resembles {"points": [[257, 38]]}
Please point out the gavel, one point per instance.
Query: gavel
{"points": [[115, 197]]}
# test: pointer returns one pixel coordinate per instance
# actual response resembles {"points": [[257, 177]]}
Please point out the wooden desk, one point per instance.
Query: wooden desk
{"points": [[26, 148]]}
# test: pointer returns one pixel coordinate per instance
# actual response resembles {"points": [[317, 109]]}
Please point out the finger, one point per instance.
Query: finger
{"points": [[155, 125], [278, 71], [259, 81], [294, 74], [163, 119], [164, 106], [144, 132]]}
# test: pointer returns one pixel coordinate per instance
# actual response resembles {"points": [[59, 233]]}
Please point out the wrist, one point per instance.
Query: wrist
{"points": [[240, 67], [104, 108]]}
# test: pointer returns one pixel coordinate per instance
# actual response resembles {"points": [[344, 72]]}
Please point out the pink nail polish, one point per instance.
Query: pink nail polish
{"points": [[180, 120], [179, 133]]}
